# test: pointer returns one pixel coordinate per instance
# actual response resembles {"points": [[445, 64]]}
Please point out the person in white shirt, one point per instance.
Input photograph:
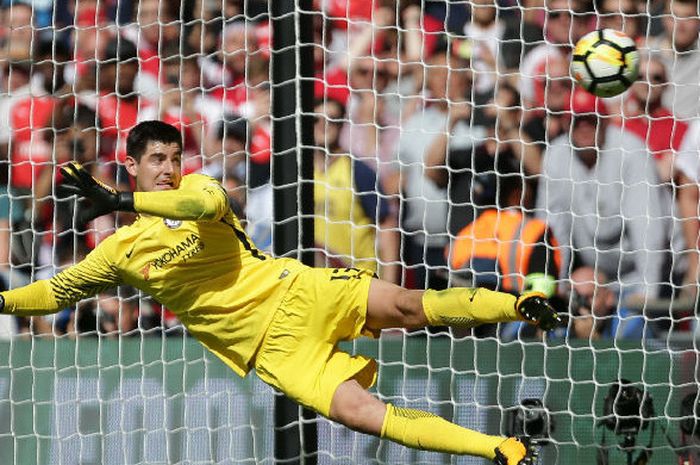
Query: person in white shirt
{"points": [[687, 169], [601, 196]]}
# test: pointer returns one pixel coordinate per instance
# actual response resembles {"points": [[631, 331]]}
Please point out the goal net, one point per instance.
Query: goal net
{"points": [[451, 148]]}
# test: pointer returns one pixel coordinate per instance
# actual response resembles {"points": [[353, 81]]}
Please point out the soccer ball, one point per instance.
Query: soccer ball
{"points": [[605, 62]]}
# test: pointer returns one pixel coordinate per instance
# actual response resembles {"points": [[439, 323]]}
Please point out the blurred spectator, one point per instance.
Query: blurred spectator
{"points": [[179, 103], [229, 160], [678, 47], [503, 249], [116, 104], [508, 136], [499, 42], [361, 136], [645, 115], [17, 29], [25, 117], [224, 72], [121, 313], [597, 314], [226, 149], [469, 174], [385, 86], [156, 26], [404, 63], [10, 276], [74, 137], [543, 125], [445, 113], [91, 33], [353, 219], [358, 77], [565, 23], [601, 196], [623, 15], [50, 61], [687, 168]]}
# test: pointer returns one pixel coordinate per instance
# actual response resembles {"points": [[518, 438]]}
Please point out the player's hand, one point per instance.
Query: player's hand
{"points": [[104, 199], [534, 308]]}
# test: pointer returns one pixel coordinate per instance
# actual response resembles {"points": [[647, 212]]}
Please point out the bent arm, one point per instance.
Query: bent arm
{"points": [[199, 198]]}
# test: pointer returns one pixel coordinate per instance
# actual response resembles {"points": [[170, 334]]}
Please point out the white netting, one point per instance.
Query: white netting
{"points": [[443, 135]]}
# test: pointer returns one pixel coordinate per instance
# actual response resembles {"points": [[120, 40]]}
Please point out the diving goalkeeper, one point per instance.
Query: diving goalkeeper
{"points": [[188, 250]]}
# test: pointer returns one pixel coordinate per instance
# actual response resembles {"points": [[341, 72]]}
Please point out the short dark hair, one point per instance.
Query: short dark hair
{"points": [[234, 127], [151, 131], [120, 50], [331, 101]]}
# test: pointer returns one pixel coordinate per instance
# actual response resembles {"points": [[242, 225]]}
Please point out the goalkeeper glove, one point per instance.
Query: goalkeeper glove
{"points": [[534, 308], [515, 451], [104, 199]]}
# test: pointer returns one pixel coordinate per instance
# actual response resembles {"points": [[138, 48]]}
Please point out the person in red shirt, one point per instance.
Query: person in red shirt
{"points": [[155, 28], [644, 114], [117, 104], [29, 120]]}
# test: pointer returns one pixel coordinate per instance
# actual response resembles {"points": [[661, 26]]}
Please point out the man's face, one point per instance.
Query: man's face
{"points": [[20, 30], [236, 45], [587, 136], [150, 20], [652, 82], [483, 11], [682, 25], [126, 75], [583, 132], [327, 126], [448, 78], [592, 299], [158, 169], [119, 78], [368, 74], [558, 88], [619, 15], [558, 22]]}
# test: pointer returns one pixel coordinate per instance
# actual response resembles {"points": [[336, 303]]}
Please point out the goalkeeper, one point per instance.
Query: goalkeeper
{"points": [[188, 250]]}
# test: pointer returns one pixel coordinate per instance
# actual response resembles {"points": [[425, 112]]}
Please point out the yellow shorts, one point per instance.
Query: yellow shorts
{"points": [[298, 354]]}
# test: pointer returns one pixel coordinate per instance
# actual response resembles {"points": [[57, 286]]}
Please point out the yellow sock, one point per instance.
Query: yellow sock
{"points": [[425, 431], [468, 307]]}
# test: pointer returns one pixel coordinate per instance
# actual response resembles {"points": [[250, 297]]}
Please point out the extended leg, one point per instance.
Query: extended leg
{"points": [[359, 410], [391, 306]]}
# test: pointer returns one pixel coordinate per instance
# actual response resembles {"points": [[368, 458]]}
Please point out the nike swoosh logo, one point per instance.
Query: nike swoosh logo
{"points": [[471, 297], [128, 254]]}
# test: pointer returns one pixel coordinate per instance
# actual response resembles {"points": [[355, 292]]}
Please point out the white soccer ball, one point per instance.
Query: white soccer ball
{"points": [[605, 62]]}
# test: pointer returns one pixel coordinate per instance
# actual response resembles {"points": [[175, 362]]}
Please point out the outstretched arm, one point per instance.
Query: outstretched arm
{"points": [[199, 198], [85, 279]]}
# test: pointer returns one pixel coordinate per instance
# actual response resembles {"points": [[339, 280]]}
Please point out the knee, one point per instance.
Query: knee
{"points": [[352, 415], [359, 411]]}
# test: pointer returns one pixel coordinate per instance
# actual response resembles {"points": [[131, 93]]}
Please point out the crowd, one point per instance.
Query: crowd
{"points": [[451, 144]]}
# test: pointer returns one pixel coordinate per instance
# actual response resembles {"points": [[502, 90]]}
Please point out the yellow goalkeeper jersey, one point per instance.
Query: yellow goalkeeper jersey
{"points": [[208, 272]]}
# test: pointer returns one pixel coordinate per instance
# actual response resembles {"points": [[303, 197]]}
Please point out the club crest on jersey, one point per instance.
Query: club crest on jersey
{"points": [[172, 224]]}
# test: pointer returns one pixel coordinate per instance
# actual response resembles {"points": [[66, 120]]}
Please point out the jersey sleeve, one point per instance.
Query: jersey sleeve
{"points": [[199, 198], [95, 274]]}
